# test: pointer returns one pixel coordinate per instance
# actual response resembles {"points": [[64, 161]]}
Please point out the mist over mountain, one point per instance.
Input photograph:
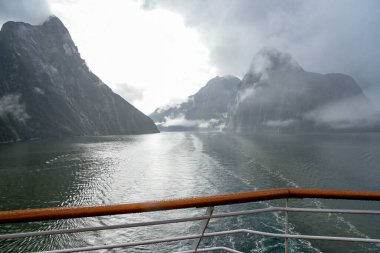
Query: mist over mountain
{"points": [[47, 90], [206, 109], [276, 94]]}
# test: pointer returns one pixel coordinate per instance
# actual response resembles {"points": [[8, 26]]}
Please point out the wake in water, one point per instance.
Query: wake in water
{"points": [[253, 180], [174, 165], [271, 222]]}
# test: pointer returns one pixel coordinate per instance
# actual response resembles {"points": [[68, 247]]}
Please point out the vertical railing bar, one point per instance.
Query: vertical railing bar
{"points": [[203, 227], [286, 227]]}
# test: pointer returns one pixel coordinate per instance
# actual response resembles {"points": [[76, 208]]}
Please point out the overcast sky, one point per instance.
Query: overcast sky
{"points": [[155, 52]]}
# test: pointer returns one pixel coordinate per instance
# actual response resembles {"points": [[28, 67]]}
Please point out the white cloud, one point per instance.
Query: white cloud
{"points": [[170, 48], [31, 11], [324, 36], [181, 121], [39, 91], [10, 105], [248, 93], [174, 103], [279, 123], [130, 93], [345, 114], [153, 50]]}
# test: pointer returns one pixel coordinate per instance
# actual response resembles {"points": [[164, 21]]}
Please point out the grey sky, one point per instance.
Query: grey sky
{"points": [[31, 11], [323, 36], [129, 93]]}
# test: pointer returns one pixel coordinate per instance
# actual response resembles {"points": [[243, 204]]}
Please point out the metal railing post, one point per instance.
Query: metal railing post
{"points": [[286, 227], [202, 228], [200, 202]]}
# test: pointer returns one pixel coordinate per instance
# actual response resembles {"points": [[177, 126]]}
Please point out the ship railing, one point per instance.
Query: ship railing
{"points": [[208, 202]]}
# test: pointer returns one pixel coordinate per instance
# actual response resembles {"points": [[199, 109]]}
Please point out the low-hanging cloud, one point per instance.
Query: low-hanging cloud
{"points": [[175, 104], [30, 11], [181, 121], [349, 113], [279, 123], [324, 36], [11, 105]]}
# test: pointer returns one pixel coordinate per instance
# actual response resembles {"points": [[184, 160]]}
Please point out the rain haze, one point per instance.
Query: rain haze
{"points": [[155, 52]]}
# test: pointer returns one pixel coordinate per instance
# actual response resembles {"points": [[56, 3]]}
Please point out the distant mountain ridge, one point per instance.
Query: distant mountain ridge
{"points": [[206, 109], [47, 90], [275, 95]]}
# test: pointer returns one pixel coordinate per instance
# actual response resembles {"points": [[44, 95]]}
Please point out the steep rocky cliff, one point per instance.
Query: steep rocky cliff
{"points": [[205, 109], [47, 90], [276, 94]]}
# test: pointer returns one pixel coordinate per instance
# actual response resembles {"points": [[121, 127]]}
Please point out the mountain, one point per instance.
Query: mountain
{"points": [[277, 94], [47, 90], [207, 109]]}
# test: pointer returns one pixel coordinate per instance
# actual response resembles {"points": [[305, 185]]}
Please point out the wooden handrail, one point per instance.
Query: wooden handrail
{"points": [[217, 200]]}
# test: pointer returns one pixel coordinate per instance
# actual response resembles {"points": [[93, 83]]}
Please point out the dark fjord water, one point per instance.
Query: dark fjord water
{"points": [[121, 169]]}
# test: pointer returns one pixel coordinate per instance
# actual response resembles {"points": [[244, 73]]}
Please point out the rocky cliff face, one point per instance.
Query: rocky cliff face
{"points": [[278, 95], [206, 109], [46, 89]]}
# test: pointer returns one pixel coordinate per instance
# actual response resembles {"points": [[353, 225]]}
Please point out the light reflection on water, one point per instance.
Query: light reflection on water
{"points": [[122, 169]]}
